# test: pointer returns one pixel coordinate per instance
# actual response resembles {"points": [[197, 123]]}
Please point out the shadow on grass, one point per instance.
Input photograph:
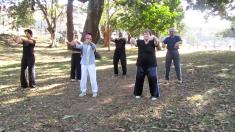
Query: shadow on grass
{"points": [[202, 103]]}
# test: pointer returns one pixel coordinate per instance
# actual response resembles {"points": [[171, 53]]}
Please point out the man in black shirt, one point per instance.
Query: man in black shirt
{"points": [[120, 54], [172, 43], [28, 59], [146, 65]]}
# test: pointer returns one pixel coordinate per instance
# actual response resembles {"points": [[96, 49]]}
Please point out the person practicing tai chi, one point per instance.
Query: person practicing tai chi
{"points": [[87, 64], [75, 73], [119, 54], [146, 65], [172, 44], [28, 59]]}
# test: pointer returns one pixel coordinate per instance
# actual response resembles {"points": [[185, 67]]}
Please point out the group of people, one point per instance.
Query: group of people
{"points": [[83, 61]]}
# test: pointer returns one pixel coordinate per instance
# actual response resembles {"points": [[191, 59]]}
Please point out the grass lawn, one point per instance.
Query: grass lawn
{"points": [[204, 102]]}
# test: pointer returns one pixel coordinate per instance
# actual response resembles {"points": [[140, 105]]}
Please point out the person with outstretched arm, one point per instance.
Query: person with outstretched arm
{"points": [[87, 64], [28, 59]]}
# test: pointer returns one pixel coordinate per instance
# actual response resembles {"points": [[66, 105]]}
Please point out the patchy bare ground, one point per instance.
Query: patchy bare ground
{"points": [[204, 102]]}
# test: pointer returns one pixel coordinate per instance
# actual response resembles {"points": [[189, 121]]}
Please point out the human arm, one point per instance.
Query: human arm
{"points": [[156, 42], [75, 44], [133, 41], [178, 43], [20, 40], [93, 46]]}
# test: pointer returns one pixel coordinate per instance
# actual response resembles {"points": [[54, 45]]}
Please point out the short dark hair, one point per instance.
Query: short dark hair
{"points": [[148, 31], [88, 33], [29, 31]]}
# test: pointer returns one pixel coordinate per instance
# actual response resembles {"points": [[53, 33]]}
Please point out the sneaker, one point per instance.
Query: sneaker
{"points": [[153, 98], [124, 77], [115, 76], [137, 97], [94, 95], [33, 86], [72, 80], [179, 81], [82, 94]]}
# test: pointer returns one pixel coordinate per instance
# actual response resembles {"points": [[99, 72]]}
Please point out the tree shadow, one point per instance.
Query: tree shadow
{"points": [[201, 103]]}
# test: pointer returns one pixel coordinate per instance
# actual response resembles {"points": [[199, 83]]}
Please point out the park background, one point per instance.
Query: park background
{"points": [[204, 102]]}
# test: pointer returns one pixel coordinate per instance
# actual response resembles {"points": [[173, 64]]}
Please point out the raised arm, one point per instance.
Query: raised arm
{"points": [[30, 41], [18, 40], [93, 46], [75, 43], [157, 43], [133, 41], [178, 43]]}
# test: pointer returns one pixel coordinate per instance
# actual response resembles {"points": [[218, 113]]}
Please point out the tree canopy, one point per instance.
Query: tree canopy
{"points": [[135, 16], [223, 8]]}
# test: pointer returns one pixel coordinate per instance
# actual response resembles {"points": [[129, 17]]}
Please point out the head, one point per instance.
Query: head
{"points": [[88, 37], [147, 34], [120, 34], [171, 31], [28, 33]]}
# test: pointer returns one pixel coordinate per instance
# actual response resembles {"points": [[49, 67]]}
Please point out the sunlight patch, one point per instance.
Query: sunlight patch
{"points": [[211, 91], [223, 75], [202, 66], [13, 101], [104, 67]]}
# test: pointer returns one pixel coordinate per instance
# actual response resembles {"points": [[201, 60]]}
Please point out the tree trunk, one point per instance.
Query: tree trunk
{"points": [[94, 12], [53, 40], [52, 31], [70, 26]]}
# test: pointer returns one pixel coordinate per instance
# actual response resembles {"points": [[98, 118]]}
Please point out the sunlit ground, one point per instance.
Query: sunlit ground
{"points": [[204, 102]]}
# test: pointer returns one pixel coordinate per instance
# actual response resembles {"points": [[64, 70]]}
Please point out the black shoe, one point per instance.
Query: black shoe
{"points": [[33, 86], [24, 87]]}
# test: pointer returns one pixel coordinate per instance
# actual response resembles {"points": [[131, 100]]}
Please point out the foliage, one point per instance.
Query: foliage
{"points": [[222, 8], [22, 14], [135, 16], [51, 10]]}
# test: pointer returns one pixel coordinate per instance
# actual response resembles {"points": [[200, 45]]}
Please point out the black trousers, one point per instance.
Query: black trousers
{"points": [[75, 72], [116, 58], [173, 55], [152, 78], [27, 62]]}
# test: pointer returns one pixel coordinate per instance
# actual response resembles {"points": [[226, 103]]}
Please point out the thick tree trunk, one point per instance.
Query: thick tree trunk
{"points": [[70, 26], [94, 12]]}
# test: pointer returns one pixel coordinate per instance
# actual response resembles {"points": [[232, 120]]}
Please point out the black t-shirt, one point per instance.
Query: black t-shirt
{"points": [[146, 54], [120, 45], [28, 48]]}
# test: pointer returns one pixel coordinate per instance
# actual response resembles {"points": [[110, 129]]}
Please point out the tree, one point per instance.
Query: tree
{"points": [[214, 7], [141, 14], [22, 14], [223, 8], [94, 12], [70, 26], [51, 10]]}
